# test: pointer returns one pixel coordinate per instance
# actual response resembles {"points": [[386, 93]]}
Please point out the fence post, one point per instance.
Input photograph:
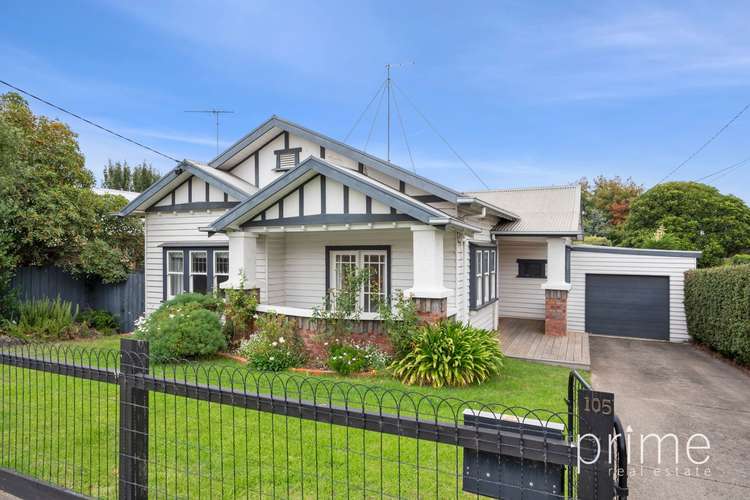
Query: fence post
{"points": [[133, 482], [595, 422]]}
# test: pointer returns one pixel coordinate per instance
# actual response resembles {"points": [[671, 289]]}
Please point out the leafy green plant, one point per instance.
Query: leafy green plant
{"points": [[346, 359], [100, 320], [276, 346], [240, 310], [717, 306], [182, 331], [205, 301], [341, 307], [400, 322], [450, 354], [737, 260], [46, 319]]}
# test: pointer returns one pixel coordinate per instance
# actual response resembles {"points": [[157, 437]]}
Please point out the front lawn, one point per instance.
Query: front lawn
{"points": [[65, 430]]}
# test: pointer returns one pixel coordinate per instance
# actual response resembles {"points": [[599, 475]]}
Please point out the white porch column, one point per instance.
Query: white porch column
{"points": [[242, 250], [428, 292], [428, 263], [556, 265]]}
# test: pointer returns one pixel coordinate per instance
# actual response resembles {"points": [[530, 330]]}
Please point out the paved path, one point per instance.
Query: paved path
{"points": [[675, 388]]}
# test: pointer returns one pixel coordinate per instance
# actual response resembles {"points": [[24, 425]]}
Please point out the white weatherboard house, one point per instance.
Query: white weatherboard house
{"points": [[287, 211]]}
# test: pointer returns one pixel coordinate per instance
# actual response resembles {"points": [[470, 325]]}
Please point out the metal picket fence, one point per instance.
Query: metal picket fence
{"points": [[111, 424]]}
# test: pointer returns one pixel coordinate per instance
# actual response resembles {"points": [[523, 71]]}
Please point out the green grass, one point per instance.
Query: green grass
{"points": [[65, 430]]}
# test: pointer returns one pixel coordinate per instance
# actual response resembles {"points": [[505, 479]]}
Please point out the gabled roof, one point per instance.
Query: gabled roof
{"points": [[313, 166], [552, 210], [225, 181], [273, 125]]}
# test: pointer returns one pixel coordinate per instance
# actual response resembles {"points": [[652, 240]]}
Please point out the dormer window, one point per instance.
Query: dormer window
{"points": [[287, 158]]}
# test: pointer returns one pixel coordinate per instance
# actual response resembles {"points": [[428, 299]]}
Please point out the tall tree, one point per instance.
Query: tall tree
{"points": [[689, 215], [119, 175], [606, 203], [48, 212]]}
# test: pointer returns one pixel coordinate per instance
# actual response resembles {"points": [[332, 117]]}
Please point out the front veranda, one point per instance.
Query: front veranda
{"points": [[292, 269]]}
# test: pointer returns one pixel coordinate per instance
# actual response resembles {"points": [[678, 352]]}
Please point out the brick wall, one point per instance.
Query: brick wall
{"points": [[556, 312]]}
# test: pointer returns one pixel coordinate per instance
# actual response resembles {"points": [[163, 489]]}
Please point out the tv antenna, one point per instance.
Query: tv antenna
{"points": [[216, 113], [388, 67]]}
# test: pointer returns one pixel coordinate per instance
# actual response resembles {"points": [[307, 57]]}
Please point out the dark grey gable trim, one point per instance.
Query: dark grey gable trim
{"points": [[208, 191], [323, 194], [199, 205], [152, 191], [329, 219], [190, 190], [257, 169], [428, 198], [638, 251], [346, 199], [388, 168], [322, 168]]}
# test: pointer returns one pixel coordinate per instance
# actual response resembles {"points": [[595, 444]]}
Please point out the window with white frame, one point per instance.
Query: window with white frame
{"points": [[343, 261], [175, 273], [221, 267], [483, 276], [199, 271]]}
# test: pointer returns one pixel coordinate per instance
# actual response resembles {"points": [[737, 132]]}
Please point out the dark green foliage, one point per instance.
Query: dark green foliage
{"points": [[46, 319], [276, 346], [119, 175], [202, 300], [239, 310], [450, 354], [341, 307], [738, 260], [347, 359], [717, 304], [48, 213], [182, 330], [400, 323], [688, 216], [100, 320]]}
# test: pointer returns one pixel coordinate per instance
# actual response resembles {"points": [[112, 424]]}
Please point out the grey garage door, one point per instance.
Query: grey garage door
{"points": [[628, 306]]}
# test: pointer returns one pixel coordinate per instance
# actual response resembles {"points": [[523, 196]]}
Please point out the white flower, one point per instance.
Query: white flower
{"points": [[274, 343], [270, 358], [281, 340], [325, 343]]}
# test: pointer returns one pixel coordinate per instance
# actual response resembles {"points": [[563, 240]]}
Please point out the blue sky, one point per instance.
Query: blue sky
{"points": [[529, 93]]}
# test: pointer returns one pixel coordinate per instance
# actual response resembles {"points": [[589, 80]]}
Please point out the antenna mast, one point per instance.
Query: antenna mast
{"points": [[388, 90], [216, 113]]}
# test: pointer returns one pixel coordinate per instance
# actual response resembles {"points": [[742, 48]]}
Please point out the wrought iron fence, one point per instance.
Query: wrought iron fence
{"points": [[113, 424]]}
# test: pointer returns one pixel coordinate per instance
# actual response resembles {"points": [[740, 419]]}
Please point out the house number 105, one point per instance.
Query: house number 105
{"points": [[597, 405]]}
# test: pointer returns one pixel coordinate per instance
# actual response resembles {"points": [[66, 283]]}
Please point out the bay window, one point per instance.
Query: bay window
{"points": [[194, 269]]}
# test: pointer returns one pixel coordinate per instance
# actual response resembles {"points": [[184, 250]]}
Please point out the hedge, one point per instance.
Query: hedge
{"points": [[717, 304]]}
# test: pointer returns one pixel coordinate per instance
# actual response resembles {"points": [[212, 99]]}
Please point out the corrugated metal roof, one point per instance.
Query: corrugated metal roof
{"points": [[541, 210]]}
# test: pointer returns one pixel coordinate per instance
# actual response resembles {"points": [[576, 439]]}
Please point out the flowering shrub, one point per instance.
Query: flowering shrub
{"points": [[181, 330], [276, 346], [346, 359]]}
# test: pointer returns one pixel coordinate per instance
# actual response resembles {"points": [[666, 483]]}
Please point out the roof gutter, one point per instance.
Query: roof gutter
{"points": [[506, 214]]}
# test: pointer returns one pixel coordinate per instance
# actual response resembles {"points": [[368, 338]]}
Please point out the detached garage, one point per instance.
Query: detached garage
{"points": [[627, 292]]}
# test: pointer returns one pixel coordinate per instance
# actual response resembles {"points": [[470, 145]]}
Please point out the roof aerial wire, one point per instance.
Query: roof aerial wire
{"points": [[429, 124], [403, 131], [364, 111], [724, 171], [109, 131], [374, 119]]}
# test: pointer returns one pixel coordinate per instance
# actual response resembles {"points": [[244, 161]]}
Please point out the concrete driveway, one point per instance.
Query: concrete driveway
{"points": [[675, 388]]}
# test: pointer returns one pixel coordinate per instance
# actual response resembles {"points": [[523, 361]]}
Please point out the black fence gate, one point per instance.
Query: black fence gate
{"points": [[115, 424]]}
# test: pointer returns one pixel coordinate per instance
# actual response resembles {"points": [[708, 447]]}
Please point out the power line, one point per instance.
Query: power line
{"points": [[364, 111], [429, 124], [705, 144], [724, 171], [403, 130], [109, 131]]}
